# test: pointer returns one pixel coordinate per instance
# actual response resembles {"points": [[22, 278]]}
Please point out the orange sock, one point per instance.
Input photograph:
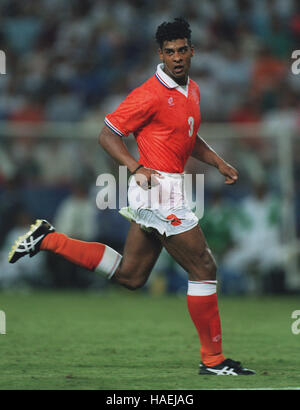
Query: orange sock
{"points": [[90, 255], [204, 312]]}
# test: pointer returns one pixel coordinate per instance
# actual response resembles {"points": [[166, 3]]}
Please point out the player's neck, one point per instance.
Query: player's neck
{"points": [[180, 81]]}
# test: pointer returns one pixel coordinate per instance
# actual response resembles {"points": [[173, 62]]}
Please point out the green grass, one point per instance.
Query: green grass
{"points": [[123, 340]]}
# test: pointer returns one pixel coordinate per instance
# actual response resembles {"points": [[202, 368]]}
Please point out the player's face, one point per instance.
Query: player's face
{"points": [[176, 56]]}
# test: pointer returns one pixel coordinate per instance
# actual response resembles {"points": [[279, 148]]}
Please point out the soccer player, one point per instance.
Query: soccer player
{"points": [[164, 116]]}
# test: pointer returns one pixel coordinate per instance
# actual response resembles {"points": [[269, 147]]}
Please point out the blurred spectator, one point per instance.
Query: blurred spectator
{"points": [[210, 94], [278, 39], [11, 100], [247, 118], [75, 217], [32, 111], [283, 118], [219, 215], [257, 251], [247, 112], [294, 24], [8, 167], [89, 47], [11, 205], [64, 106], [25, 18], [268, 71], [58, 161]]}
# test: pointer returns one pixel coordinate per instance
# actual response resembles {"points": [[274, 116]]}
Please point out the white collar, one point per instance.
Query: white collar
{"points": [[168, 82]]}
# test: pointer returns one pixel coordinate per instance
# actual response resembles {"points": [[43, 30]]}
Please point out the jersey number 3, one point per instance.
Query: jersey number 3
{"points": [[191, 124]]}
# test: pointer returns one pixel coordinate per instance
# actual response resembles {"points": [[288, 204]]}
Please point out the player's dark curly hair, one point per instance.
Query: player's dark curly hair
{"points": [[179, 28]]}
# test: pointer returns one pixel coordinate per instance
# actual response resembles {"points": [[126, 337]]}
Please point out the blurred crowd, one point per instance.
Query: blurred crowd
{"points": [[68, 61], [74, 61]]}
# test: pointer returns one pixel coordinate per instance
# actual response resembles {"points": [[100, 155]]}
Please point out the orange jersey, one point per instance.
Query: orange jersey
{"points": [[164, 118]]}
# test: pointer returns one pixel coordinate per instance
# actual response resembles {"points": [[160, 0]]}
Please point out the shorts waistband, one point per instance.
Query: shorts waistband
{"points": [[170, 174]]}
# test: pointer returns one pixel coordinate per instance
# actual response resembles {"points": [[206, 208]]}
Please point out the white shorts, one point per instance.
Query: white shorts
{"points": [[163, 207]]}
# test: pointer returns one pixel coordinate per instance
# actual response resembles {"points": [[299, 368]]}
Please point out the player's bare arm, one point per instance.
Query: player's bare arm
{"points": [[203, 152], [115, 147]]}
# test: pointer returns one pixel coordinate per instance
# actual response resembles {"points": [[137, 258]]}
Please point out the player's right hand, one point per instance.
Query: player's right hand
{"points": [[146, 178]]}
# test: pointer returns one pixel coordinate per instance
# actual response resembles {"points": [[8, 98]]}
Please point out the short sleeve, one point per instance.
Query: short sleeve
{"points": [[133, 113]]}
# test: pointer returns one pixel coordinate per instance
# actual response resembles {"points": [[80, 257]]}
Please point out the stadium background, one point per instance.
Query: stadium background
{"points": [[69, 63]]}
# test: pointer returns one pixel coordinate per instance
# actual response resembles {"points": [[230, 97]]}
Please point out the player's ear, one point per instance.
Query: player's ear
{"points": [[160, 53], [192, 50]]}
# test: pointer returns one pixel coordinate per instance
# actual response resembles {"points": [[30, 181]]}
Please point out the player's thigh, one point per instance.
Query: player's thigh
{"points": [[140, 253], [191, 251]]}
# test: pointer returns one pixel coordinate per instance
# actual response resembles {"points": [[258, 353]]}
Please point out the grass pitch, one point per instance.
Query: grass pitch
{"points": [[121, 340]]}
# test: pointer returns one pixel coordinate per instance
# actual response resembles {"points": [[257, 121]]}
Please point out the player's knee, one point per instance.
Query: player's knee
{"points": [[133, 283], [129, 278], [210, 263], [205, 266]]}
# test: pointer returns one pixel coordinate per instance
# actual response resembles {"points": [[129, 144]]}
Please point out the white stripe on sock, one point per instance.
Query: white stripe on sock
{"points": [[202, 287], [109, 263]]}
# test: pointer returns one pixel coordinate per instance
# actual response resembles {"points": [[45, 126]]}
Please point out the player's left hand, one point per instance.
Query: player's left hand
{"points": [[231, 175]]}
